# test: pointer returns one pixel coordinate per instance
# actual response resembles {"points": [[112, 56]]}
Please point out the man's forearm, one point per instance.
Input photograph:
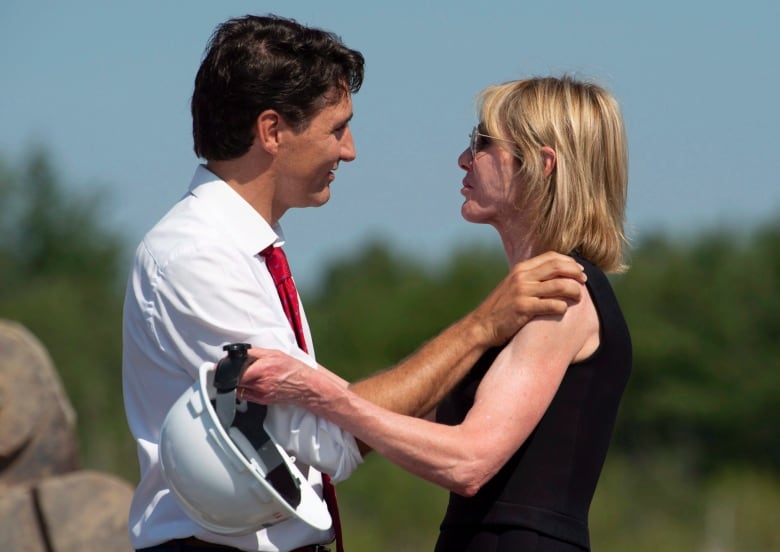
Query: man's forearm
{"points": [[416, 385]]}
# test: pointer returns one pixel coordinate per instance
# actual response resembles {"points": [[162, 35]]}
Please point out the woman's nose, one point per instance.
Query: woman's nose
{"points": [[465, 160]]}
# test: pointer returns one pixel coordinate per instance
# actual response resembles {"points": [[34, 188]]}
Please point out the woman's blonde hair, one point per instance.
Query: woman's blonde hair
{"points": [[580, 206]]}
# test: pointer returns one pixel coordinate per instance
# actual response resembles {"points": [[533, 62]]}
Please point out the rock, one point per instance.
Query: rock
{"points": [[19, 527], [37, 421], [85, 511], [46, 503]]}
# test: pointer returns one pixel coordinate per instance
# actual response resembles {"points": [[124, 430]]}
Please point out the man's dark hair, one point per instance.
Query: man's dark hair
{"points": [[254, 63]]}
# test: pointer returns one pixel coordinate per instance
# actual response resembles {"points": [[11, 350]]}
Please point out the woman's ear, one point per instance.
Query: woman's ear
{"points": [[549, 158]]}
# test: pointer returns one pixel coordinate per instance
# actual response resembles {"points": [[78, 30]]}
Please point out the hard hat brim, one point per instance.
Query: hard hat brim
{"points": [[217, 476]]}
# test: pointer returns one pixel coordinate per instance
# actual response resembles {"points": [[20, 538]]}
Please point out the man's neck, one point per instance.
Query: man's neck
{"points": [[248, 180]]}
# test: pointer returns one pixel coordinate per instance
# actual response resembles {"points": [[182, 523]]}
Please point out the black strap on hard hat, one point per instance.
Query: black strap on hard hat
{"points": [[249, 421]]}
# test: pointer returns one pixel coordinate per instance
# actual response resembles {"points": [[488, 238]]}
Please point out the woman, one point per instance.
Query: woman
{"points": [[521, 441]]}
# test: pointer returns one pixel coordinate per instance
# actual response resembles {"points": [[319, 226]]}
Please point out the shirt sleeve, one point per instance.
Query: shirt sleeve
{"points": [[213, 296]]}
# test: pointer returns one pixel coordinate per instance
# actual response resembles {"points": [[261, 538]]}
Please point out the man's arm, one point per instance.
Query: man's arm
{"points": [[538, 286]]}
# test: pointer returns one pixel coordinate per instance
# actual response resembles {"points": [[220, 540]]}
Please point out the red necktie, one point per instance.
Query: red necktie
{"points": [[276, 261]]}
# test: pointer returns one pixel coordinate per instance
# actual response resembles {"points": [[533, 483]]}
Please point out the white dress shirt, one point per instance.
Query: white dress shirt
{"points": [[198, 283]]}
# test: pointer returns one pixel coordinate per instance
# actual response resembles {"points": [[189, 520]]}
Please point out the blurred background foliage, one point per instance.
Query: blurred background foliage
{"points": [[695, 464]]}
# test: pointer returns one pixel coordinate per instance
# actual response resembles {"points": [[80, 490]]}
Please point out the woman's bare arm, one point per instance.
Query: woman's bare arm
{"points": [[510, 401]]}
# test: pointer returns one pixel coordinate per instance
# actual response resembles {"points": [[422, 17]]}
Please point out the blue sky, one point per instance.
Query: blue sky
{"points": [[105, 86]]}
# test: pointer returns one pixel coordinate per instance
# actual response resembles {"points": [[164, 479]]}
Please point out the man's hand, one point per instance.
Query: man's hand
{"points": [[542, 285]]}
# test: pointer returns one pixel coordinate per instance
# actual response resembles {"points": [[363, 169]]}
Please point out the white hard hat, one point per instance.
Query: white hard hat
{"points": [[237, 480]]}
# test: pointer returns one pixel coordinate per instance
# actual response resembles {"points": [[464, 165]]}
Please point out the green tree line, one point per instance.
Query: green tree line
{"points": [[695, 442]]}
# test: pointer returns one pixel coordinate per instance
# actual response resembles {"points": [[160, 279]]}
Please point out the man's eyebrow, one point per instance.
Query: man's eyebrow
{"points": [[345, 121]]}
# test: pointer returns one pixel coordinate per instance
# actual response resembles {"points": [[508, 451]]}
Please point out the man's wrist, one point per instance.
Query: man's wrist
{"points": [[477, 331]]}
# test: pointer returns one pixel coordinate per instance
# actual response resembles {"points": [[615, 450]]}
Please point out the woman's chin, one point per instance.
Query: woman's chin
{"points": [[470, 214]]}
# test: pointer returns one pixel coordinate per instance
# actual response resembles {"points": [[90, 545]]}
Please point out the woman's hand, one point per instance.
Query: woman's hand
{"points": [[275, 377]]}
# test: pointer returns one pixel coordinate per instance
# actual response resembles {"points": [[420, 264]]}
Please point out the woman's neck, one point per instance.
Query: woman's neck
{"points": [[518, 242], [518, 251]]}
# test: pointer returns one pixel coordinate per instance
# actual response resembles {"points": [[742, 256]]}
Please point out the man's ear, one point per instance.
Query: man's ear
{"points": [[267, 128], [549, 158]]}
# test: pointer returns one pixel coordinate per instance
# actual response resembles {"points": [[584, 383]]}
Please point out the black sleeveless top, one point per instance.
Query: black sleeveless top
{"points": [[548, 484]]}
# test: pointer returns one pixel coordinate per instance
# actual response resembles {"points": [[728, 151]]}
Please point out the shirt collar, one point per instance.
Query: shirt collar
{"points": [[250, 231]]}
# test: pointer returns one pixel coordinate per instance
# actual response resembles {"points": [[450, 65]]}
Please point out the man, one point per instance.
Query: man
{"points": [[271, 110]]}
